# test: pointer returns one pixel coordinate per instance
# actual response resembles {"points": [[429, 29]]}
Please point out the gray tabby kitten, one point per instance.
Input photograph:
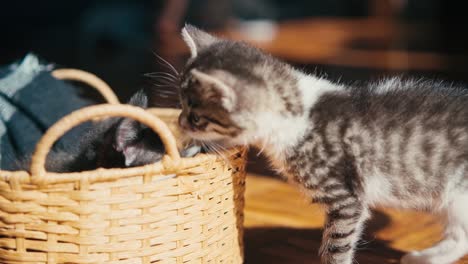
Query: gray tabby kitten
{"points": [[394, 143]]}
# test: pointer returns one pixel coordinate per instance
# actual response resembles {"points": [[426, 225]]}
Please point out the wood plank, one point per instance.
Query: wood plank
{"points": [[282, 227], [331, 42]]}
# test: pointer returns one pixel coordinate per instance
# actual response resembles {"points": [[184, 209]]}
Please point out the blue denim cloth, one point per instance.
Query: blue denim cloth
{"points": [[31, 100]]}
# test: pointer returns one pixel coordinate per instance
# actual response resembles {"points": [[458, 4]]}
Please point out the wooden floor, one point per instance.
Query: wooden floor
{"points": [[282, 228]]}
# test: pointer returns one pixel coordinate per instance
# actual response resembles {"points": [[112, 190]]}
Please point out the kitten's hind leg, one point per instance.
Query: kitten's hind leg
{"points": [[455, 243]]}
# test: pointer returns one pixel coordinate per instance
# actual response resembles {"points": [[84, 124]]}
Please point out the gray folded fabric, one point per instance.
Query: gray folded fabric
{"points": [[31, 100]]}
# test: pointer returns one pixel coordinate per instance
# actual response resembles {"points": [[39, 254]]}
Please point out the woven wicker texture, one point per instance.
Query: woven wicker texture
{"points": [[179, 210]]}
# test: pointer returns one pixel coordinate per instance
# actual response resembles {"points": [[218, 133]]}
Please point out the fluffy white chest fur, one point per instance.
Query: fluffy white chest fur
{"points": [[277, 134]]}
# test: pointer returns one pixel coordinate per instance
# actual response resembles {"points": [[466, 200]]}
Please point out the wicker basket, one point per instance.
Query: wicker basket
{"points": [[179, 210]]}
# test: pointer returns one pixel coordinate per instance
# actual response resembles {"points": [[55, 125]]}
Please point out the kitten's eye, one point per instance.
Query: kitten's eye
{"points": [[194, 118]]}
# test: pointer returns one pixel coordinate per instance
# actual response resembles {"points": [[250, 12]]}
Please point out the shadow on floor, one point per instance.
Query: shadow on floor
{"points": [[280, 245]]}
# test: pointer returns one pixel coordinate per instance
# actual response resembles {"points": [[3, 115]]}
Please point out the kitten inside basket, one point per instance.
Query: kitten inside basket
{"points": [[113, 143]]}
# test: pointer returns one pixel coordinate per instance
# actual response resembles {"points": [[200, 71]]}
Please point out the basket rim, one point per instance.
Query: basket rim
{"points": [[70, 74], [164, 167], [112, 174]]}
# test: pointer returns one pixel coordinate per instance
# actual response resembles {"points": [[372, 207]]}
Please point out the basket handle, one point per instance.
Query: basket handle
{"points": [[38, 171], [88, 78]]}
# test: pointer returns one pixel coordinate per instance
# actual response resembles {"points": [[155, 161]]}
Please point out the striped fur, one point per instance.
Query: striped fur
{"points": [[400, 143]]}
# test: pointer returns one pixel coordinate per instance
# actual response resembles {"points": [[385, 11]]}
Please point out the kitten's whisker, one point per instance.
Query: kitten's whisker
{"points": [[166, 92], [160, 74], [364, 242], [172, 86], [175, 77], [172, 96], [163, 85], [167, 84], [218, 145], [166, 78], [202, 144], [212, 148], [169, 66], [221, 151]]}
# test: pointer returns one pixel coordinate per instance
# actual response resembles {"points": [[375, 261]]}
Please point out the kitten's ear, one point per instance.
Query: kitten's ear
{"points": [[139, 99], [196, 39], [127, 130], [125, 136], [133, 140], [215, 88]]}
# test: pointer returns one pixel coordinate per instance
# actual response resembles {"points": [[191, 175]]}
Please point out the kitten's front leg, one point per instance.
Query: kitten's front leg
{"points": [[345, 219]]}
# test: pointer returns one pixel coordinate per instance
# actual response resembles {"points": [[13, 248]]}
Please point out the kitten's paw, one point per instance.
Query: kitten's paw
{"points": [[191, 151], [415, 257]]}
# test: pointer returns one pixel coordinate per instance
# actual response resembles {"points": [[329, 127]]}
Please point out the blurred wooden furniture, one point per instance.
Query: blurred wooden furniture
{"points": [[363, 42], [281, 227]]}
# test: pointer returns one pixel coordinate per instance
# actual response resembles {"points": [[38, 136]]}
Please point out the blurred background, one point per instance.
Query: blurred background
{"points": [[350, 41]]}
